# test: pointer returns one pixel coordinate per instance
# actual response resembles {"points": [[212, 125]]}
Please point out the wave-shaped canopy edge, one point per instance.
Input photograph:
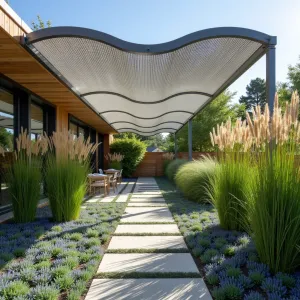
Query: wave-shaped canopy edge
{"points": [[150, 88]]}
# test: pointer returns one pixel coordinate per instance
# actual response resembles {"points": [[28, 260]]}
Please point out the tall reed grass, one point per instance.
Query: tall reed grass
{"points": [[24, 176], [66, 174], [230, 190], [273, 198], [193, 178]]}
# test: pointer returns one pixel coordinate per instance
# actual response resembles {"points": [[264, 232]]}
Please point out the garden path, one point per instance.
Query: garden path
{"points": [[147, 257]]}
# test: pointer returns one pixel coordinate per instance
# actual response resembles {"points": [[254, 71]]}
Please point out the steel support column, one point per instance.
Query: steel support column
{"points": [[190, 140], [271, 77], [175, 146]]}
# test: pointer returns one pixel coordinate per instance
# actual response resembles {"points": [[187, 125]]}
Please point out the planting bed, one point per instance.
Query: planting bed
{"points": [[46, 260], [227, 259]]}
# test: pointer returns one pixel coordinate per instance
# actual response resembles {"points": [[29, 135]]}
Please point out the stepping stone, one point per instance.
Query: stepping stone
{"points": [[153, 228], [146, 196], [149, 204], [149, 289], [147, 242], [148, 262], [148, 200], [147, 214]]}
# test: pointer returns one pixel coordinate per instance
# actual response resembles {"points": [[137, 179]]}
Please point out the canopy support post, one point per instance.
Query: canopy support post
{"points": [[175, 146], [190, 140], [271, 77]]}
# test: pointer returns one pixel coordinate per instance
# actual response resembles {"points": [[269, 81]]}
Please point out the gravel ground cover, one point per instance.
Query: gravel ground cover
{"points": [[227, 259], [46, 260]]}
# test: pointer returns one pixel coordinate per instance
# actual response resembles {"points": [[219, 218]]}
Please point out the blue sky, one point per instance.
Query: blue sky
{"points": [[158, 21]]}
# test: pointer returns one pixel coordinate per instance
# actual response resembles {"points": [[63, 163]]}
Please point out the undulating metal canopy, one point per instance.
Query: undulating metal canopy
{"points": [[148, 89]]}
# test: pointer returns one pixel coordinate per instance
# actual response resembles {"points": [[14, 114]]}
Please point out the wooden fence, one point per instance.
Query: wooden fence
{"points": [[152, 163]]}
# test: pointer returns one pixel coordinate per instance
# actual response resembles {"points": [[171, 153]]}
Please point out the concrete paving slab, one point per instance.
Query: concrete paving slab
{"points": [[148, 200], [148, 262], [150, 228], [147, 196], [147, 242], [149, 289], [146, 204], [147, 214]]}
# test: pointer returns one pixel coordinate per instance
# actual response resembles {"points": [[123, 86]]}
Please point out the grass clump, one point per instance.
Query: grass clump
{"points": [[66, 174], [192, 179], [173, 167], [15, 289]]}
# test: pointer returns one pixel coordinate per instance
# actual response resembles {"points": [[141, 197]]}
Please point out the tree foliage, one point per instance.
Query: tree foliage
{"points": [[39, 24], [255, 94], [217, 111], [6, 139]]}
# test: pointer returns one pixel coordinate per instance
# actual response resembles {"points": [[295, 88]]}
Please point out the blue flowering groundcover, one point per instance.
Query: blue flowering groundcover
{"points": [[227, 259], [43, 259]]}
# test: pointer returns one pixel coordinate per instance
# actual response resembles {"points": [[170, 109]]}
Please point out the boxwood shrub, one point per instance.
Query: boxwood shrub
{"points": [[133, 151]]}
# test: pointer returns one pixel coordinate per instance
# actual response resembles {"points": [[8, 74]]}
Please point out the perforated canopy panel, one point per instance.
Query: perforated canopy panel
{"points": [[148, 89]]}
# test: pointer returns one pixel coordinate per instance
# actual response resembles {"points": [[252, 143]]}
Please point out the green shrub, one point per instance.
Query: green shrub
{"points": [[193, 178], [66, 183], [173, 167], [133, 151], [230, 190]]}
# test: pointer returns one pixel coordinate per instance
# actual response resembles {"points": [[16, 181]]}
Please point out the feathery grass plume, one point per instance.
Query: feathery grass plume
{"points": [[275, 217], [24, 176], [274, 199], [193, 178], [115, 160], [66, 174], [114, 157]]}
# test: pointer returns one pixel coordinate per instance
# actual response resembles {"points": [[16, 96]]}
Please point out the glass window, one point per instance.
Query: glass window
{"points": [[6, 141], [36, 121], [6, 120], [73, 129], [81, 131]]}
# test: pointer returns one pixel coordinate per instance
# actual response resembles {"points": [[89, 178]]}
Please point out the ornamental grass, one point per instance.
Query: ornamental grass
{"points": [[115, 160], [193, 178], [24, 176], [266, 186], [67, 168]]}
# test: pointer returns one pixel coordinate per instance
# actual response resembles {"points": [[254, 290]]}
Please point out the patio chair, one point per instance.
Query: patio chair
{"points": [[113, 181], [98, 182], [120, 176]]}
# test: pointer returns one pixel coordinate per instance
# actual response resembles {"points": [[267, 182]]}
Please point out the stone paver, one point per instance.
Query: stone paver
{"points": [[146, 204], [149, 200], [150, 228], [147, 242], [148, 262], [147, 214], [149, 289], [142, 237], [124, 196]]}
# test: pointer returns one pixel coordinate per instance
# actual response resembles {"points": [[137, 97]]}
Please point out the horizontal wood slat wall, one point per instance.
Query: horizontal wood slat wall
{"points": [[151, 165]]}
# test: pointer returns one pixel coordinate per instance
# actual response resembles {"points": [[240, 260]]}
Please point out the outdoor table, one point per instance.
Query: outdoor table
{"points": [[98, 177]]}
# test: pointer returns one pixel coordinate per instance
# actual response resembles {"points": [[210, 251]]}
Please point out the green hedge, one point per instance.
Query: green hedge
{"points": [[133, 151], [192, 179], [173, 167]]}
